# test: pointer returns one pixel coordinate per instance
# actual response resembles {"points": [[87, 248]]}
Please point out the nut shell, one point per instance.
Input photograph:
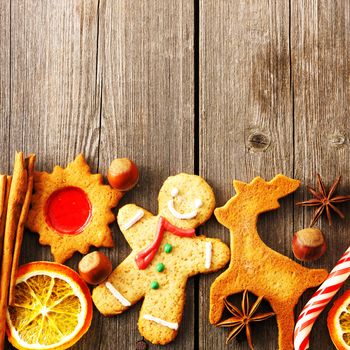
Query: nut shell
{"points": [[94, 268], [123, 174], [308, 244]]}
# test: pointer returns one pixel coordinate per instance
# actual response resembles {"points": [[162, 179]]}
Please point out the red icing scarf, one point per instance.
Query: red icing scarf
{"points": [[145, 256]]}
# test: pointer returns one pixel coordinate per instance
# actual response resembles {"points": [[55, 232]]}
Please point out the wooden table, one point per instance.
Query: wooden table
{"points": [[224, 89]]}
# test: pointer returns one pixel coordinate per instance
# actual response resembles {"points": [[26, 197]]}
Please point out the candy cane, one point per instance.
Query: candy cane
{"points": [[319, 301]]}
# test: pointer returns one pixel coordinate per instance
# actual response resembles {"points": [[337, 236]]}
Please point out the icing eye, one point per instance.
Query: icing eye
{"points": [[174, 192], [198, 203]]}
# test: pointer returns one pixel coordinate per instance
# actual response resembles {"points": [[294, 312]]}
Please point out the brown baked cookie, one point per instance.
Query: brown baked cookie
{"points": [[71, 209], [256, 267], [165, 253]]}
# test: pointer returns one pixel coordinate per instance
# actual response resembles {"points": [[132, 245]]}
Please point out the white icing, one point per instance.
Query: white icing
{"points": [[198, 203], [138, 216], [208, 254], [174, 192], [171, 325], [117, 295], [178, 215]]}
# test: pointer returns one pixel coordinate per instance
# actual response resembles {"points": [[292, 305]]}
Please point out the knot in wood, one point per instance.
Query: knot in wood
{"points": [[258, 142], [336, 139]]}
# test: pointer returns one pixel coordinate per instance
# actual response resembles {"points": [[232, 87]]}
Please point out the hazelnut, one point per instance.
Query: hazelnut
{"points": [[94, 268], [123, 174], [308, 244]]}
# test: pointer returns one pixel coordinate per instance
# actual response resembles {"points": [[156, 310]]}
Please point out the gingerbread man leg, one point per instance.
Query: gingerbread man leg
{"points": [[161, 313], [117, 294]]}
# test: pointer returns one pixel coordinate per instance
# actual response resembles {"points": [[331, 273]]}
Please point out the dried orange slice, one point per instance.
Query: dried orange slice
{"points": [[338, 322], [52, 307]]}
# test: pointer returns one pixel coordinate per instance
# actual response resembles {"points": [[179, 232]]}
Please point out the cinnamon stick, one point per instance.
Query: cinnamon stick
{"points": [[20, 228], [3, 216], [3, 180], [2, 193], [15, 202]]}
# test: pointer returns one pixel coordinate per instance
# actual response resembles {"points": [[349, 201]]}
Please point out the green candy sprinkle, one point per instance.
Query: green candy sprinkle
{"points": [[168, 248], [160, 267], [154, 285]]}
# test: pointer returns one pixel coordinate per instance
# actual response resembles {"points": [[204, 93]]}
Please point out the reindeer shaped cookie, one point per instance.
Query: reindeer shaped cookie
{"points": [[165, 252], [256, 267]]}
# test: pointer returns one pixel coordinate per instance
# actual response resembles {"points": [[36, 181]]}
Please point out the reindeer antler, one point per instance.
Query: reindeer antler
{"points": [[285, 185], [256, 197]]}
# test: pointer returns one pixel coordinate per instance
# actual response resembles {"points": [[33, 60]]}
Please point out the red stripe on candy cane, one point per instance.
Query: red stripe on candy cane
{"points": [[319, 300], [319, 308], [305, 344], [307, 323], [340, 272]]}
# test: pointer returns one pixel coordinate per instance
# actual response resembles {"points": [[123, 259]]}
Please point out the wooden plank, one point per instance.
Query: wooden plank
{"points": [[55, 95], [5, 83], [246, 125], [146, 64], [55, 91], [321, 71]]}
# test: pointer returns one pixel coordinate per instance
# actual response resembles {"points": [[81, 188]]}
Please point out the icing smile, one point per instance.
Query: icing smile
{"points": [[183, 216]]}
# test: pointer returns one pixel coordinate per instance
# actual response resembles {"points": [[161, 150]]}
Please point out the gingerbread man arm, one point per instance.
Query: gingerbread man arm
{"points": [[137, 225], [118, 293], [213, 253]]}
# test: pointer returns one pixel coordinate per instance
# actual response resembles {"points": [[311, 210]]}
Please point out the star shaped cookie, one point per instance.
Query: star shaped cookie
{"points": [[165, 253], [71, 209]]}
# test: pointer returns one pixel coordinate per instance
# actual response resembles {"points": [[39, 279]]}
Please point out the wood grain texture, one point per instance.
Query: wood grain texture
{"points": [[117, 78], [5, 83], [320, 40], [55, 92], [246, 124], [146, 66]]}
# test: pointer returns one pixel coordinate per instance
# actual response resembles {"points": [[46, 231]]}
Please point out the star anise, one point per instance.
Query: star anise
{"points": [[324, 201], [241, 319]]}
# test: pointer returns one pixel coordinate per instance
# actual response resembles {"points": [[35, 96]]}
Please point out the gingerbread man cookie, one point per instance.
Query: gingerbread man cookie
{"points": [[165, 252]]}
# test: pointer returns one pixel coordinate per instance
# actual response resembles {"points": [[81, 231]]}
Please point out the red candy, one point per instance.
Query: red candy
{"points": [[68, 210]]}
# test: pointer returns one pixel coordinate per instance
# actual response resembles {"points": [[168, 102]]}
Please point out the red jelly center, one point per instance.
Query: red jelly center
{"points": [[68, 210]]}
